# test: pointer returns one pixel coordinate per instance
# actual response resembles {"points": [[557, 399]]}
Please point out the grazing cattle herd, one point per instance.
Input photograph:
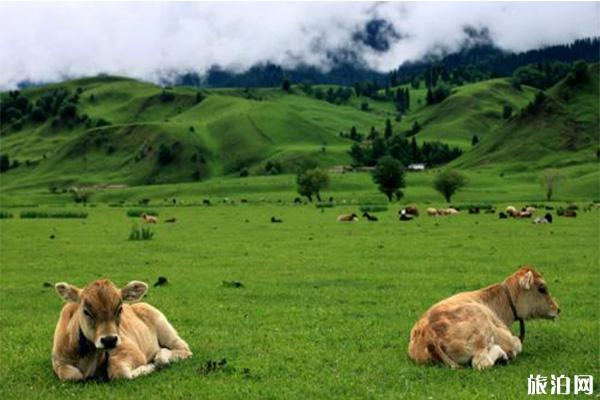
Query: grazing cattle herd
{"points": [[100, 334], [410, 212]]}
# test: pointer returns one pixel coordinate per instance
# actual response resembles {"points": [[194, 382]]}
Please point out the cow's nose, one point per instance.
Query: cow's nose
{"points": [[109, 342]]}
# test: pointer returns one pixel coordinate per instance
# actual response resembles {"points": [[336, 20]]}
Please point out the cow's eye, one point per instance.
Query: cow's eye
{"points": [[543, 289], [88, 314]]}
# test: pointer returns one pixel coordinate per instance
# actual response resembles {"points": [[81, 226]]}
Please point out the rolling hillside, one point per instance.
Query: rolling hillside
{"points": [[136, 133], [225, 132], [562, 131]]}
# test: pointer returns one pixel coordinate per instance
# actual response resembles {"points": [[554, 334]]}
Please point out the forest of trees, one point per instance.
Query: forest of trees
{"points": [[471, 64], [370, 148]]}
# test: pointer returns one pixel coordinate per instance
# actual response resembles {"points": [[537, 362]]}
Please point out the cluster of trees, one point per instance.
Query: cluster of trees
{"points": [[406, 151], [167, 154], [402, 100], [273, 168], [473, 63], [339, 95], [60, 105], [389, 178], [437, 94], [485, 61], [540, 75]]}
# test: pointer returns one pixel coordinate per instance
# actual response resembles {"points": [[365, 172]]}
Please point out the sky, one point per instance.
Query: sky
{"points": [[44, 42]]}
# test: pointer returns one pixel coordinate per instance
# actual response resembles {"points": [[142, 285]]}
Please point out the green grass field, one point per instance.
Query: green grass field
{"points": [[326, 309]]}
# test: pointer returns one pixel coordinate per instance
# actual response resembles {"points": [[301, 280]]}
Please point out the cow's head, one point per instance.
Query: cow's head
{"points": [[100, 306], [533, 299]]}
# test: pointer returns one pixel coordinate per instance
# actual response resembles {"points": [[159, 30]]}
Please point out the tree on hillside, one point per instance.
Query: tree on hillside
{"points": [[416, 128], [286, 85], [4, 162], [551, 179], [448, 183], [389, 177], [507, 111], [388, 129], [474, 140], [311, 181], [579, 73], [165, 154]]}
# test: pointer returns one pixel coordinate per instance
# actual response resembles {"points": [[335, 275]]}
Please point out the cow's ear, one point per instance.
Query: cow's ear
{"points": [[68, 292], [134, 291], [526, 280]]}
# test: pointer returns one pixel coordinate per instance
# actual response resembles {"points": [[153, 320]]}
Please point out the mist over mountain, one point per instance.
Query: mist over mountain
{"points": [[158, 42]]}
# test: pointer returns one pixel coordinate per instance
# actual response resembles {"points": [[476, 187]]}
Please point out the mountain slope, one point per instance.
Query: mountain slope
{"points": [[563, 130], [474, 109], [221, 133]]}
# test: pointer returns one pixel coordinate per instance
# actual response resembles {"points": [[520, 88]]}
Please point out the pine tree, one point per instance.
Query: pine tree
{"points": [[388, 129]]}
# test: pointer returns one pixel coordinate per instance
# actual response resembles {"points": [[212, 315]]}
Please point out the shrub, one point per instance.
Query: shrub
{"points": [[81, 195], [165, 154], [142, 233], [55, 214], [137, 212], [5, 215], [167, 96]]}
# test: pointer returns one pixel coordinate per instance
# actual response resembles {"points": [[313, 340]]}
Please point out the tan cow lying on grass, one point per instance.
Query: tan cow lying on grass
{"points": [[149, 219], [474, 327], [347, 218], [98, 336]]}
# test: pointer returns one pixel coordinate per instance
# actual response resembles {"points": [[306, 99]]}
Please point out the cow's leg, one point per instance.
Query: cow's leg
{"points": [[67, 372], [510, 344], [173, 347], [128, 362], [486, 358]]}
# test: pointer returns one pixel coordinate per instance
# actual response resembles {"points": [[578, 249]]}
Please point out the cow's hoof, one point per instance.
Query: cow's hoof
{"points": [[163, 357]]}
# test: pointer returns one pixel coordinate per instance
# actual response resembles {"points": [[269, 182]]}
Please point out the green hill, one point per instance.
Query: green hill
{"points": [[227, 131], [135, 133], [474, 109], [563, 130]]}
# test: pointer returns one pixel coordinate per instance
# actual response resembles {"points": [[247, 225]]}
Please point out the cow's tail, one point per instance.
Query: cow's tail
{"points": [[443, 355]]}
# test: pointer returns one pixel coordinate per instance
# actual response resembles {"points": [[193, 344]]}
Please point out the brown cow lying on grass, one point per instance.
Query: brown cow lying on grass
{"points": [[149, 219], [474, 327], [97, 336], [347, 218]]}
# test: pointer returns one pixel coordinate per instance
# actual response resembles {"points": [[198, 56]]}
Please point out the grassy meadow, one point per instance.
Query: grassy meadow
{"points": [[326, 308]]}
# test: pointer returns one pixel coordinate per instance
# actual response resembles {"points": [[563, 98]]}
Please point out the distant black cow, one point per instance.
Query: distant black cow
{"points": [[502, 215], [206, 202], [370, 217], [276, 220], [297, 200], [474, 210]]}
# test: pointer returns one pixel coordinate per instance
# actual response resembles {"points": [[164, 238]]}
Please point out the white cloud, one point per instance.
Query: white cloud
{"points": [[48, 41]]}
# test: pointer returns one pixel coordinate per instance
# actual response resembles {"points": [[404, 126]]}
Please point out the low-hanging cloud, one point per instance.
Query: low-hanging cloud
{"points": [[52, 41]]}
